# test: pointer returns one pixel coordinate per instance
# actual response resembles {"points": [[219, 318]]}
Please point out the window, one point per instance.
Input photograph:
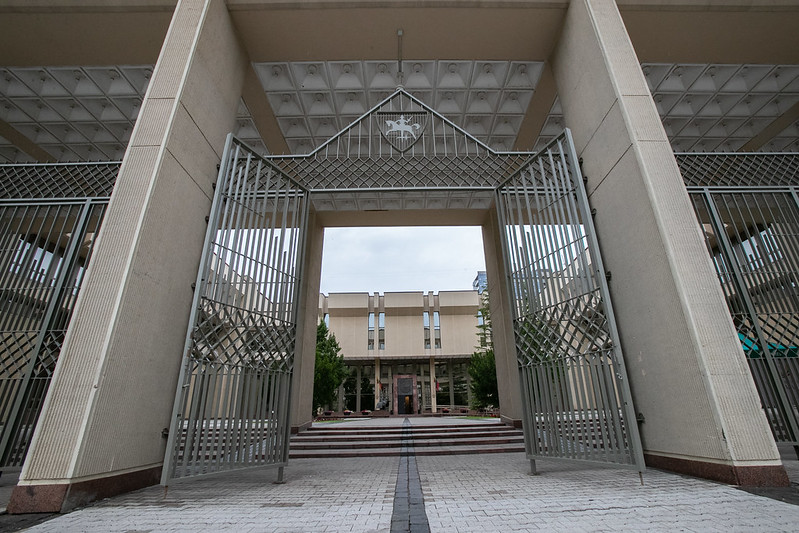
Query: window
{"points": [[381, 332], [437, 326], [426, 330], [371, 337], [759, 250]]}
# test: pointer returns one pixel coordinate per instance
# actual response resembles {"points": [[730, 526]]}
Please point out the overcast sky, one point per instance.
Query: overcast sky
{"points": [[401, 259]]}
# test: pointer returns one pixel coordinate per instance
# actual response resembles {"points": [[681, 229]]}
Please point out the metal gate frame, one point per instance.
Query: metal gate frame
{"points": [[575, 392], [399, 151], [50, 215], [758, 275], [232, 403]]}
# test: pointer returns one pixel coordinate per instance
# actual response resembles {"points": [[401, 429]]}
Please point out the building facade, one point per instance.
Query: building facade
{"points": [[427, 337], [158, 85]]}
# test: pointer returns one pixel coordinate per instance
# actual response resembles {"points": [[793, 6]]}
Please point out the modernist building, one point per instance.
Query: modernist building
{"points": [[425, 337], [643, 298]]}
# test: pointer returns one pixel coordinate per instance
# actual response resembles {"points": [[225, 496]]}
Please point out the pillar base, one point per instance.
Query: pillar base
{"points": [[513, 422], [745, 476], [63, 497], [299, 428]]}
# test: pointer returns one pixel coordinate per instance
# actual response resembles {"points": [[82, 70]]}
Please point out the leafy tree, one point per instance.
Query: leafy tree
{"points": [[483, 368], [329, 370]]}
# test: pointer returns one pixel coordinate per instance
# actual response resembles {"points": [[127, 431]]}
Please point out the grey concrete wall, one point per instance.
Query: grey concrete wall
{"points": [[510, 398], [307, 319], [114, 386], [687, 370]]}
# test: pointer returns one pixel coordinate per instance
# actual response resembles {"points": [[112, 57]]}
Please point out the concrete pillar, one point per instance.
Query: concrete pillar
{"points": [[422, 382], [688, 374], [433, 399], [390, 385], [339, 396], [100, 431], [468, 386], [302, 407], [510, 395], [358, 377], [378, 387], [451, 377]]}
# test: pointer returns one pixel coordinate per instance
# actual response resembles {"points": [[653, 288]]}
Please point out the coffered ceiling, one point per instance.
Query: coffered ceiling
{"points": [[83, 113]]}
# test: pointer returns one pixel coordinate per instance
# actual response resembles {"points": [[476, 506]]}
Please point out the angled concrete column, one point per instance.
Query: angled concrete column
{"points": [[302, 406], [100, 431], [510, 397], [688, 374]]}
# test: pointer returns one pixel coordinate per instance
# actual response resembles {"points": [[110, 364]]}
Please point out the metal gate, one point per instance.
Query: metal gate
{"points": [[232, 403], [748, 207], [576, 397], [49, 219]]}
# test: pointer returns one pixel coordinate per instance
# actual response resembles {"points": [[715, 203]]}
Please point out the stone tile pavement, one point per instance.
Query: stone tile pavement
{"points": [[319, 495], [480, 493], [494, 493]]}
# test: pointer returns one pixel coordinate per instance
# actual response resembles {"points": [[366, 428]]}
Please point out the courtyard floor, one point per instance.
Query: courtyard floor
{"points": [[480, 493]]}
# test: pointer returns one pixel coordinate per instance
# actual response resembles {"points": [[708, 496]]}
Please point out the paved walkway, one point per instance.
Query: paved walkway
{"points": [[480, 493]]}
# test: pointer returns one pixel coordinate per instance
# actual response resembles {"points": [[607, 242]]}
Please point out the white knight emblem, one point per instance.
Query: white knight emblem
{"points": [[401, 129], [403, 126]]}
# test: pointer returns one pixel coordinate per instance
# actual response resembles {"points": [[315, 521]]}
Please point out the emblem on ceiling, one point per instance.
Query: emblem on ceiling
{"points": [[401, 129]]}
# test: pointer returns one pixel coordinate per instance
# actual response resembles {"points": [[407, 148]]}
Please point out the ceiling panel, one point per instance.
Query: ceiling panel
{"points": [[314, 100]]}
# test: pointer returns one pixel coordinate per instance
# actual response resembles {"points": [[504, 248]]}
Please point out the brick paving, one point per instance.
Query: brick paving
{"points": [[480, 493]]}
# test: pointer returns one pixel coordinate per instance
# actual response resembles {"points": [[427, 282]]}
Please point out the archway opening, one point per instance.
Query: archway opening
{"points": [[404, 304]]}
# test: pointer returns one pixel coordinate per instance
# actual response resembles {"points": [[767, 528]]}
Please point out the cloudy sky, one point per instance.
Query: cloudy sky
{"points": [[401, 259]]}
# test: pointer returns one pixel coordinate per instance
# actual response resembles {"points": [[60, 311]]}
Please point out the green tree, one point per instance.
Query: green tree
{"points": [[483, 368], [329, 369]]}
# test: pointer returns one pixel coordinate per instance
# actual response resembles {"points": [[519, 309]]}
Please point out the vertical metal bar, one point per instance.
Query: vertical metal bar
{"points": [[56, 297], [202, 275], [634, 438], [726, 246]]}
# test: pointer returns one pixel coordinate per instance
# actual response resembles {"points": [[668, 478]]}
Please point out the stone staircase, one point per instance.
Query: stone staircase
{"points": [[345, 440]]}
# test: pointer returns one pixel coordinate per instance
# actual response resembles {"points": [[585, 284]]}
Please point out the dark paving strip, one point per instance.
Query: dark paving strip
{"points": [[409, 515]]}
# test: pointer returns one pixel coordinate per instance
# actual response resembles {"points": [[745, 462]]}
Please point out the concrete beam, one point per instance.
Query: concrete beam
{"points": [[538, 110], [262, 113], [772, 130], [15, 137]]}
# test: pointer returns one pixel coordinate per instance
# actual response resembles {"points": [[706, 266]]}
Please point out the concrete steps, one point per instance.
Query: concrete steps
{"points": [[383, 441]]}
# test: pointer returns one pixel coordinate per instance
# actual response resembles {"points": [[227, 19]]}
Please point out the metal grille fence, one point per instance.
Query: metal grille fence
{"points": [[232, 404], [48, 228], [752, 235], [575, 392]]}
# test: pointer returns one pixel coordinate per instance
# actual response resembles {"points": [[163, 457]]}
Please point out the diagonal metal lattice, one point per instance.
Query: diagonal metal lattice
{"points": [[577, 400], [243, 329], [232, 404], [363, 157], [739, 169], [58, 180], [49, 219], [751, 230]]}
